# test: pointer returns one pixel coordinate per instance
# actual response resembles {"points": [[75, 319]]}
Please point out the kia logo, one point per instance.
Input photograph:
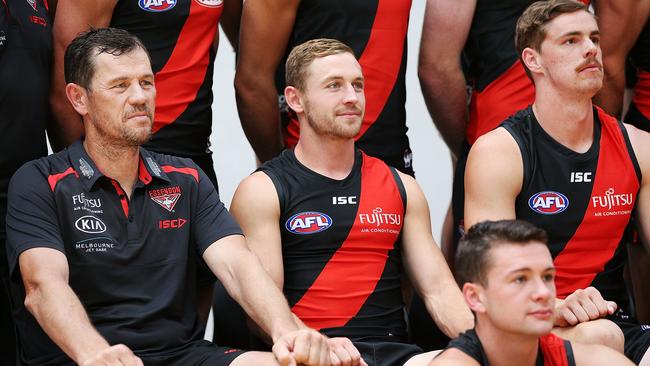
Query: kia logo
{"points": [[90, 225]]}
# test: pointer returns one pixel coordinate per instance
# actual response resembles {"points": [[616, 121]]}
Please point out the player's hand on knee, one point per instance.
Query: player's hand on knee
{"points": [[344, 353], [582, 306], [117, 355], [302, 347]]}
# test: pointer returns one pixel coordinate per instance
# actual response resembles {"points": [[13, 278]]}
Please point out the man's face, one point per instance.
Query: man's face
{"points": [[570, 54], [333, 99], [520, 293], [121, 98]]}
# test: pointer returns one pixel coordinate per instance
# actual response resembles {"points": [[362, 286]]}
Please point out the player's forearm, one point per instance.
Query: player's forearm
{"points": [[446, 98], [259, 296], [449, 310], [63, 318], [257, 105], [66, 125]]}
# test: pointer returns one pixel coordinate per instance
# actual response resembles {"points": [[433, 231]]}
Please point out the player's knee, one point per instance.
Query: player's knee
{"points": [[602, 332]]}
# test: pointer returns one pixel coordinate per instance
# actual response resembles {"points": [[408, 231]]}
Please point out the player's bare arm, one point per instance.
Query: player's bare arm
{"points": [[230, 21], [493, 178], [620, 23], [56, 307], [641, 145], [262, 43], [72, 17], [428, 269], [444, 33]]}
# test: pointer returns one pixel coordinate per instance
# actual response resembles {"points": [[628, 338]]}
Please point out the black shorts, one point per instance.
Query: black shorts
{"points": [[386, 353], [195, 353], [637, 336]]}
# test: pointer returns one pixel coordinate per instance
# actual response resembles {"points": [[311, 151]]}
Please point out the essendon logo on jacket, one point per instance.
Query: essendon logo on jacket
{"points": [[156, 6], [166, 197]]}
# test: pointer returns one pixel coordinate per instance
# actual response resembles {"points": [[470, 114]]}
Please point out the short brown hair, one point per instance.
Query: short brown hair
{"points": [[304, 54], [473, 253], [531, 24]]}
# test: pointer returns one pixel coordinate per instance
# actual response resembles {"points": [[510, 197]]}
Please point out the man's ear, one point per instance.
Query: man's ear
{"points": [[474, 298], [532, 60], [78, 97], [293, 98]]}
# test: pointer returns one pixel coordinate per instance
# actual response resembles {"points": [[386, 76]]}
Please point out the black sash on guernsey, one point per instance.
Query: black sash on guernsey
{"points": [[179, 35], [584, 201], [376, 31], [553, 351], [341, 248]]}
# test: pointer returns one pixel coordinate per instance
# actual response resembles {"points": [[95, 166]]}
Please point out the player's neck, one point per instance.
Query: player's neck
{"points": [[570, 121], [505, 348], [116, 162], [329, 157]]}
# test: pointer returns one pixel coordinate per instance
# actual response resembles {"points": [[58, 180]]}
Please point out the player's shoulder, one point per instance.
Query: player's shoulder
{"points": [[453, 356]]}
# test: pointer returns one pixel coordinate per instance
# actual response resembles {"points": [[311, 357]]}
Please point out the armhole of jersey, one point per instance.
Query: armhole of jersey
{"points": [[400, 185], [525, 158], [630, 150], [279, 188], [571, 361]]}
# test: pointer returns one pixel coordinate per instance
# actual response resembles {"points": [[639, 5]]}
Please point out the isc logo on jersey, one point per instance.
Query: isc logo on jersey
{"points": [[156, 6], [308, 223], [548, 202]]}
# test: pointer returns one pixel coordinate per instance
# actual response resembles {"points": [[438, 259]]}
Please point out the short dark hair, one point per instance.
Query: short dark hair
{"points": [[304, 54], [79, 64], [472, 255], [531, 29]]}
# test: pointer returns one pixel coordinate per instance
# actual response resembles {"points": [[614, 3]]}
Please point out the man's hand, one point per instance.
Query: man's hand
{"points": [[302, 347], [344, 353], [118, 355], [582, 306]]}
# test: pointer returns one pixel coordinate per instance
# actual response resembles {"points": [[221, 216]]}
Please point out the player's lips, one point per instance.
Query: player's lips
{"points": [[349, 113], [592, 66], [542, 313]]}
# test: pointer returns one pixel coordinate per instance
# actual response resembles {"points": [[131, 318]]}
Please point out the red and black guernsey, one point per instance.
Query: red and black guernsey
{"points": [[376, 31], [341, 247], [583, 200], [500, 84], [639, 112], [552, 350], [179, 35], [132, 261], [25, 63]]}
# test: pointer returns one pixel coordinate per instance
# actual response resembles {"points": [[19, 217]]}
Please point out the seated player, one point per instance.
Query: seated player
{"points": [[338, 230], [566, 166], [507, 273], [104, 237]]}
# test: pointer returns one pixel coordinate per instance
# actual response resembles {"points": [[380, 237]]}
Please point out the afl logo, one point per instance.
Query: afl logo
{"points": [[210, 3], [90, 225], [308, 223], [548, 202], [156, 6]]}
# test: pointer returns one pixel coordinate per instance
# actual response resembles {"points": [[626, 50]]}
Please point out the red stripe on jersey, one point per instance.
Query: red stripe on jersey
{"points": [[507, 94], [190, 171], [553, 350], [143, 173], [641, 96], [351, 275], [53, 179], [606, 216], [382, 57], [122, 195], [178, 82]]}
